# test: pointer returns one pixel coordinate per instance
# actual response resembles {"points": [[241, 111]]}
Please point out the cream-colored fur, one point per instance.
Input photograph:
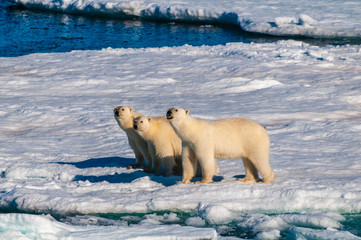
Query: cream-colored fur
{"points": [[124, 116], [226, 138], [164, 145]]}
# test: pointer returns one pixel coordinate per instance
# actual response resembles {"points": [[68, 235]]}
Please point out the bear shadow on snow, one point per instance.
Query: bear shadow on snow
{"points": [[215, 179], [239, 176], [120, 162], [102, 162], [112, 178], [129, 178]]}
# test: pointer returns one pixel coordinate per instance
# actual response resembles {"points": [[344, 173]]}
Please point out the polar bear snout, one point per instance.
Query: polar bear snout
{"points": [[140, 123], [169, 114], [116, 112]]}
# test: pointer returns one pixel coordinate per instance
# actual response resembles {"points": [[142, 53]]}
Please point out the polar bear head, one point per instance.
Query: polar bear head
{"points": [[142, 123], [122, 112], [177, 114]]}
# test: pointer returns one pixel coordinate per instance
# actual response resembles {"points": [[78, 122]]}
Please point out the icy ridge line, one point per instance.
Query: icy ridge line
{"points": [[303, 25], [135, 9]]}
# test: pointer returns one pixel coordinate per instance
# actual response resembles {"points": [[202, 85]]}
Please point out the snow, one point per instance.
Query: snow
{"points": [[62, 153], [24, 226], [303, 233], [210, 213], [195, 221], [323, 18]]}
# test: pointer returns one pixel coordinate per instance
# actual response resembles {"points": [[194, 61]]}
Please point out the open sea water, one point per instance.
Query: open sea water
{"points": [[24, 31]]}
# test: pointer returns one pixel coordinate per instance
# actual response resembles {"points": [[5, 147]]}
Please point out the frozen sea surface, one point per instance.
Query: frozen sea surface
{"points": [[62, 153]]}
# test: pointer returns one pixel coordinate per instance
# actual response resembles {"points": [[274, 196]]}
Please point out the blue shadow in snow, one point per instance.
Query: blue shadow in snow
{"points": [[120, 162], [239, 176], [129, 177], [114, 178], [102, 162], [215, 179]]}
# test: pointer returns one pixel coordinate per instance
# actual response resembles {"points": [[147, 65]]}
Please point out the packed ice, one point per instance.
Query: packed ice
{"points": [[63, 154]]}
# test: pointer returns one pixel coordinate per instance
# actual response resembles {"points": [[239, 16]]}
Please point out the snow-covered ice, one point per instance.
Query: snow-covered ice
{"points": [[322, 18], [62, 152], [24, 226]]}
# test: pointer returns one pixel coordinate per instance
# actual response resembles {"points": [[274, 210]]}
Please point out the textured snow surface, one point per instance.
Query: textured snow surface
{"points": [[61, 151]]}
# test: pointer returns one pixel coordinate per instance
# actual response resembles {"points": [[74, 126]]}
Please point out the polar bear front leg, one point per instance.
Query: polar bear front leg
{"points": [[189, 164], [155, 162], [144, 149], [168, 164], [138, 155], [208, 164], [147, 161]]}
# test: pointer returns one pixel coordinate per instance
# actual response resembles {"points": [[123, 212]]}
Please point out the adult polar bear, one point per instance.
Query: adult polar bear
{"points": [[226, 138], [124, 117], [164, 146]]}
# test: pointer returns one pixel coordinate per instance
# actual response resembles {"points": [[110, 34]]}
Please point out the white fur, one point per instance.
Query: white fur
{"points": [[124, 116], [226, 138], [164, 145]]}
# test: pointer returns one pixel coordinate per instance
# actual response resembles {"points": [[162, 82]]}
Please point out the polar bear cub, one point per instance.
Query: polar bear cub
{"points": [[124, 117], [226, 138], [164, 145]]}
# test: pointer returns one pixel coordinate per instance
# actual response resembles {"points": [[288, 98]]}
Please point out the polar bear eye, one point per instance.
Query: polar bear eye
{"points": [[176, 110], [122, 109], [141, 121]]}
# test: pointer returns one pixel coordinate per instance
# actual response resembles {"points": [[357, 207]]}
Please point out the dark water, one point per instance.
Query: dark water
{"points": [[24, 31], [351, 224]]}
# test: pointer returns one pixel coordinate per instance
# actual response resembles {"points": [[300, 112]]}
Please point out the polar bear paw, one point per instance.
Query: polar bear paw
{"points": [[185, 181], [134, 166], [205, 181], [246, 180]]}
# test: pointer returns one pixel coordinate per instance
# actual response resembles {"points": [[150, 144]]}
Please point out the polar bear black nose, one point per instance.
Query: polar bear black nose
{"points": [[116, 112], [135, 127], [169, 113]]}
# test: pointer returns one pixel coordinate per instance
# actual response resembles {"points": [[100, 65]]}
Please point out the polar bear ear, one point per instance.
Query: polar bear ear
{"points": [[149, 119], [131, 109], [187, 111]]}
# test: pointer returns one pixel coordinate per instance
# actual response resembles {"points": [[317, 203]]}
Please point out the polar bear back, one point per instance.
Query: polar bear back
{"points": [[235, 137]]}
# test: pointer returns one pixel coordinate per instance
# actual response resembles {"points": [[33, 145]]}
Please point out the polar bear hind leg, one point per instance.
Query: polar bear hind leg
{"points": [[261, 163], [251, 172]]}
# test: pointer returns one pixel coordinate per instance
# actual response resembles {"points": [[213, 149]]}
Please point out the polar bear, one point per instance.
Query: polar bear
{"points": [[164, 145], [124, 116], [226, 138]]}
